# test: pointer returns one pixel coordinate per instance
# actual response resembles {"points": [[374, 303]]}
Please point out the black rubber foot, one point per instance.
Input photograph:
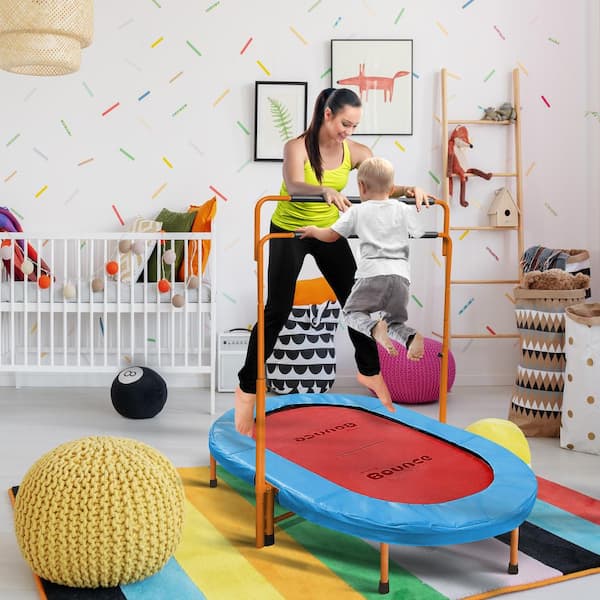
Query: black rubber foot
{"points": [[384, 588], [513, 569], [213, 483], [269, 539]]}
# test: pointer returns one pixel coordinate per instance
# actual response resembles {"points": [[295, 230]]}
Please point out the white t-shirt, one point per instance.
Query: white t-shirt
{"points": [[383, 227]]}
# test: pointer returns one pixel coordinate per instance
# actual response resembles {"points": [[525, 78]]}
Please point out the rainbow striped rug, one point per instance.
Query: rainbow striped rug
{"points": [[217, 558]]}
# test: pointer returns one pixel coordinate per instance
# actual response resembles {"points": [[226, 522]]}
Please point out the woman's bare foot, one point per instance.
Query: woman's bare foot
{"points": [[380, 335], [244, 411], [377, 384], [416, 350]]}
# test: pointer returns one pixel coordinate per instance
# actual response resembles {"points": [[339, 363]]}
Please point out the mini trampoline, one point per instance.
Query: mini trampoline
{"points": [[346, 463]]}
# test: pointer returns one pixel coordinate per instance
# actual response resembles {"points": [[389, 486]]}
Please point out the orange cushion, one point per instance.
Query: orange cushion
{"points": [[205, 213], [313, 291]]}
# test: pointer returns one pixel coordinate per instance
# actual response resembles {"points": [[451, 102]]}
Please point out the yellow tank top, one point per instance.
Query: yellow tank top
{"points": [[291, 215]]}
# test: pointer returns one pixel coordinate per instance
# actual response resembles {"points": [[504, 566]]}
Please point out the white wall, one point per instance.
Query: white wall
{"points": [[554, 42]]}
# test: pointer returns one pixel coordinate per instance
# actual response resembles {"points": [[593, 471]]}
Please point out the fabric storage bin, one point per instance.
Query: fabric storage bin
{"points": [[303, 360], [580, 425], [537, 395]]}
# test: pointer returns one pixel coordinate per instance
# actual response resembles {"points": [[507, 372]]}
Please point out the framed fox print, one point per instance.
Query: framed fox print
{"points": [[279, 116], [381, 73]]}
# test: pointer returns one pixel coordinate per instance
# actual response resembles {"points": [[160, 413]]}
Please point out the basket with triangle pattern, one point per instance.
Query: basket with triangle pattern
{"points": [[537, 395]]}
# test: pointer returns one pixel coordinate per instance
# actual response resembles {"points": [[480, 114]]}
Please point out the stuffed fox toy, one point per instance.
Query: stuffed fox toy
{"points": [[457, 161]]}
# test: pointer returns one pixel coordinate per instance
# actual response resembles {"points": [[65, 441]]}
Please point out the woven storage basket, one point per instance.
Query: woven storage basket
{"points": [[537, 396], [44, 37], [580, 425]]}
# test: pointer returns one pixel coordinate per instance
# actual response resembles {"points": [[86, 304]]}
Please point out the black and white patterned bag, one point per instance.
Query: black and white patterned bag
{"points": [[303, 360]]}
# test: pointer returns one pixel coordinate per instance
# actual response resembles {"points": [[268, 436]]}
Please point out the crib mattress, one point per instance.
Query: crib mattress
{"points": [[114, 291]]}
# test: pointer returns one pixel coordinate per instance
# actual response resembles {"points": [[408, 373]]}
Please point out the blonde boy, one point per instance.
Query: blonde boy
{"points": [[377, 305]]}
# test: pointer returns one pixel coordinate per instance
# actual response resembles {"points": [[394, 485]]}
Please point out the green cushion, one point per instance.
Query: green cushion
{"points": [[176, 222]]}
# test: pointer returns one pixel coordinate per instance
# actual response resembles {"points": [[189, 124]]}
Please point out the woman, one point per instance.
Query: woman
{"points": [[317, 163]]}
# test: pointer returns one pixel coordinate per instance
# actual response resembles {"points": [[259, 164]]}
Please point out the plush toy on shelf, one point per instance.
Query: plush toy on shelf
{"points": [[457, 161]]}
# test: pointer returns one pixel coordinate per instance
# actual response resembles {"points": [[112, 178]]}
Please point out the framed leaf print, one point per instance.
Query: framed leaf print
{"points": [[279, 116]]}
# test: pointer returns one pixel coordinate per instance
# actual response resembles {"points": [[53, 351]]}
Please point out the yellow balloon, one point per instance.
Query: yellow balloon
{"points": [[504, 433]]}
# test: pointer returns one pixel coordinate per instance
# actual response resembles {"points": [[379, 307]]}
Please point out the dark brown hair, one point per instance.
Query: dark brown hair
{"points": [[335, 100]]}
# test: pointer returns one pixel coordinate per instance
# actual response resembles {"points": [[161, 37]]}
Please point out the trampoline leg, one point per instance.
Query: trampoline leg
{"points": [[269, 515], [213, 472], [384, 566], [513, 565]]}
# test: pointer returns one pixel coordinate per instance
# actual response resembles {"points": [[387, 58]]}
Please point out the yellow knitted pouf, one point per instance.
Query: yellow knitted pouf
{"points": [[99, 512]]}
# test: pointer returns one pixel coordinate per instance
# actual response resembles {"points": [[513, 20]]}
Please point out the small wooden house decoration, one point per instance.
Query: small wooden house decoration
{"points": [[503, 211]]}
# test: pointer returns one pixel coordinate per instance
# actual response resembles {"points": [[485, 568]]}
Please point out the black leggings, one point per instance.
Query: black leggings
{"points": [[337, 264]]}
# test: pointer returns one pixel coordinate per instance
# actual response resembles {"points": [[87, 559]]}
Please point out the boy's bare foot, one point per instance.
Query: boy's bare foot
{"points": [[379, 387], [380, 335], [416, 350], [244, 411]]}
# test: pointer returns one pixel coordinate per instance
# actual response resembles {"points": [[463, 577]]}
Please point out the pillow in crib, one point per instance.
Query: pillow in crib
{"points": [[204, 214], [129, 260], [174, 222]]}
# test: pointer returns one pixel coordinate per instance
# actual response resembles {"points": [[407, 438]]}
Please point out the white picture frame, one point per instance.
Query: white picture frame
{"points": [[381, 73]]}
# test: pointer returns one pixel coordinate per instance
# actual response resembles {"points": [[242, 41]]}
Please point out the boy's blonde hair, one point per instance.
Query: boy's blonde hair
{"points": [[377, 174]]}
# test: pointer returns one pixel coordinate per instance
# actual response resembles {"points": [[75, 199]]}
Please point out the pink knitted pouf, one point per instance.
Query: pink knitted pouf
{"points": [[415, 382]]}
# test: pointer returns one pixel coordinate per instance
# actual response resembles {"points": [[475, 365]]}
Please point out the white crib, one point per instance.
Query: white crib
{"points": [[70, 328]]}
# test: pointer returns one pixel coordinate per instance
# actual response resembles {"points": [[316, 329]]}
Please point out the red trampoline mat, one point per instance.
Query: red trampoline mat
{"points": [[378, 457]]}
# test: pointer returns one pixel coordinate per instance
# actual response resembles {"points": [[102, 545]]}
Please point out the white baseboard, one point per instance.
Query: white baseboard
{"points": [[349, 381], [19, 380]]}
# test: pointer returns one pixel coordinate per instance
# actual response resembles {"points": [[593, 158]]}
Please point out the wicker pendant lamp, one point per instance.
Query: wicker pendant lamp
{"points": [[44, 37]]}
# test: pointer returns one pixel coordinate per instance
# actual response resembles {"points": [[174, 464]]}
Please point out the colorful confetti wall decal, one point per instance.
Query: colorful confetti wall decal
{"points": [[221, 97], [462, 310], [242, 127], [550, 209], [41, 191], [545, 101], [490, 330], [314, 5], [159, 190], [298, 35], [118, 214], [489, 75], [419, 303], [266, 71], [399, 146], [436, 259], [441, 28], [492, 253], [434, 177], [193, 47], [467, 3], [217, 192], [12, 139], [246, 46], [66, 127], [144, 95], [129, 156], [167, 162], [9, 177], [111, 108], [531, 168], [180, 109], [399, 16], [85, 162], [464, 234], [499, 32], [157, 42]]}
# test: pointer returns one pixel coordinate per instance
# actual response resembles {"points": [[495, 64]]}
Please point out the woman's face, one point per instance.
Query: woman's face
{"points": [[343, 123]]}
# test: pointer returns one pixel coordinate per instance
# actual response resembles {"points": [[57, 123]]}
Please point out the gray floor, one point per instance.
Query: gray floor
{"points": [[35, 420]]}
